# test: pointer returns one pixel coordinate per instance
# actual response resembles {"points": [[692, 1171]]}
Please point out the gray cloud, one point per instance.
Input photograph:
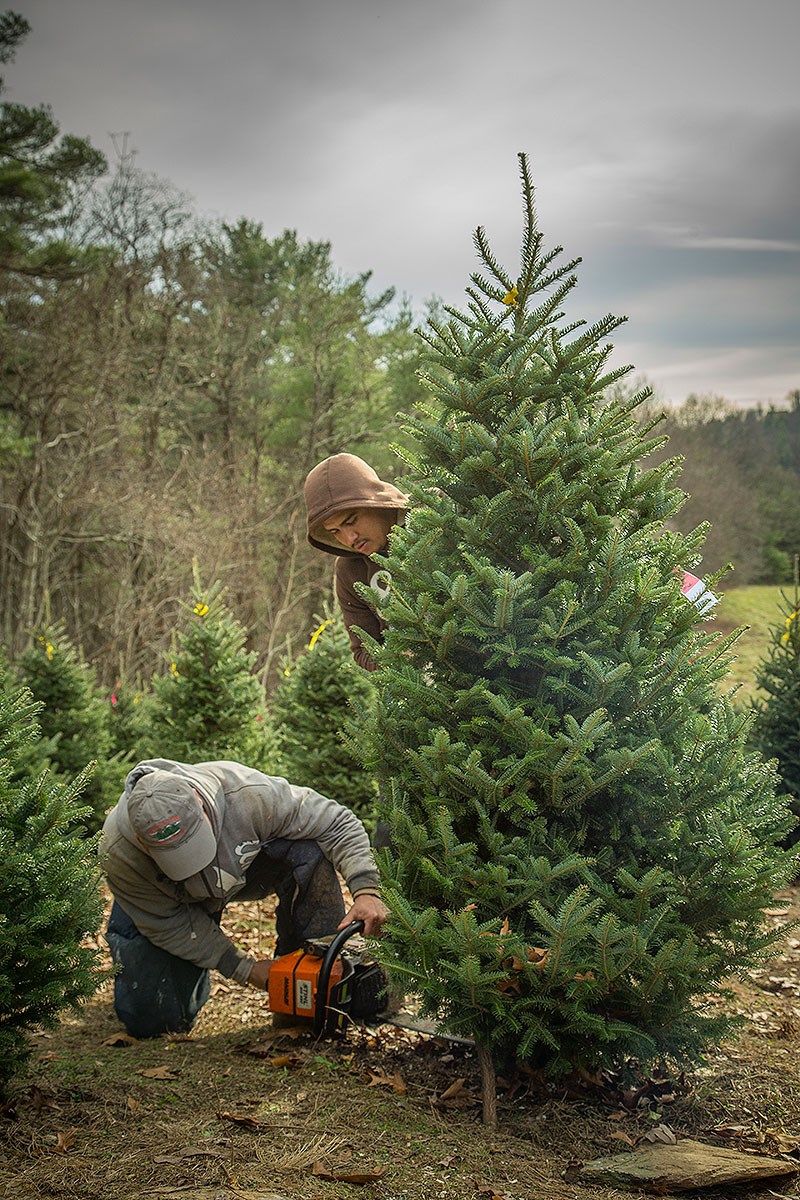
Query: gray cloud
{"points": [[662, 140]]}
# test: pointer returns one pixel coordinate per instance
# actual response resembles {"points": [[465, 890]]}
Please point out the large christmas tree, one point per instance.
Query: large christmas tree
{"points": [[582, 845]]}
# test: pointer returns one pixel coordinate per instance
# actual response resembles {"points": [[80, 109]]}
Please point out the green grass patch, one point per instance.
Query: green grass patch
{"points": [[759, 609]]}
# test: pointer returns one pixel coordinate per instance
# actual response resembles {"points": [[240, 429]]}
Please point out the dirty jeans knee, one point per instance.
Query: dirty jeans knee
{"points": [[154, 992], [310, 901]]}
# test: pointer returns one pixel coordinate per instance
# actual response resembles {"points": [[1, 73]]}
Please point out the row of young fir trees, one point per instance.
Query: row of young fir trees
{"points": [[65, 749], [208, 703], [583, 841]]}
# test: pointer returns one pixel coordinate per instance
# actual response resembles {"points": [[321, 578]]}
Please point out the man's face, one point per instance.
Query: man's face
{"points": [[364, 530]]}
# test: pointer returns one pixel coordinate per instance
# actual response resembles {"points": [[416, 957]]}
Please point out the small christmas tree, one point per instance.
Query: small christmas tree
{"points": [[776, 729], [127, 724], [318, 691], [74, 720], [582, 845], [209, 704], [50, 895], [35, 755]]}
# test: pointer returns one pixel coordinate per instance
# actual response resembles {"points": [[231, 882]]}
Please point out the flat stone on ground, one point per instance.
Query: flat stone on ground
{"points": [[682, 1167]]}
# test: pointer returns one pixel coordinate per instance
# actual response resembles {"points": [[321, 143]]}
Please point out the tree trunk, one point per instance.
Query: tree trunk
{"points": [[488, 1086]]}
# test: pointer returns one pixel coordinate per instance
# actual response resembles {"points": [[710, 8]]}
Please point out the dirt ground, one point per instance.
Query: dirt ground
{"points": [[238, 1109]]}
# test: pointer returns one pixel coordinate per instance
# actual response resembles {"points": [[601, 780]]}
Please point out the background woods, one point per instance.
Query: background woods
{"points": [[741, 469], [167, 383], [166, 403], [165, 387]]}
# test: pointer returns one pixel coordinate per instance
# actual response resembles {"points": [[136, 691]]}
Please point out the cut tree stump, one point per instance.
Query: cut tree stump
{"points": [[685, 1166]]}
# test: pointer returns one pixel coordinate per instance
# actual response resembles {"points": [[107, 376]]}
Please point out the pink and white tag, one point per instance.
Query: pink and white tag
{"points": [[696, 591]]}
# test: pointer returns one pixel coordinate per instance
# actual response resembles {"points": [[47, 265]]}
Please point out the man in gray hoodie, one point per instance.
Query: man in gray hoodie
{"points": [[182, 842]]}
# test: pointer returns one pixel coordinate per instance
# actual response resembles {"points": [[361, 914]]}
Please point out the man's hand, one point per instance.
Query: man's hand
{"points": [[260, 974], [369, 909]]}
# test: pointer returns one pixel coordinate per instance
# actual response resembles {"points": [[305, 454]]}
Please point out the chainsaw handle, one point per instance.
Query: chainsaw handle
{"points": [[331, 954]]}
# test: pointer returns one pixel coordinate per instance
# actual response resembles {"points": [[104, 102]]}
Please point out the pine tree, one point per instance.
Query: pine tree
{"points": [[776, 729], [50, 896], [128, 707], [40, 175], [74, 719], [209, 704], [582, 845], [319, 690], [34, 756]]}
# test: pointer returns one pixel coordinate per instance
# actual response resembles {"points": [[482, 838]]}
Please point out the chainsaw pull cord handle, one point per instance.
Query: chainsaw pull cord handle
{"points": [[331, 954]]}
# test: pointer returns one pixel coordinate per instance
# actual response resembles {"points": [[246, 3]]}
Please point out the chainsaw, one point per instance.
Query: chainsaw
{"points": [[326, 984]]}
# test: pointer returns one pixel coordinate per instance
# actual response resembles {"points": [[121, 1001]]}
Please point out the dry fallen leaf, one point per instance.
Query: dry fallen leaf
{"points": [[65, 1141], [453, 1090], [158, 1073], [120, 1039], [189, 1152], [379, 1078], [661, 1133], [785, 1143], [509, 985], [320, 1171], [285, 1060], [131, 1104], [248, 1122], [622, 1137], [41, 1101]]}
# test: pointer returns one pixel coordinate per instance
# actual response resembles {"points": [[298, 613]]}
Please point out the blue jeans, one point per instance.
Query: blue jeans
{"points": [[155, 992]]}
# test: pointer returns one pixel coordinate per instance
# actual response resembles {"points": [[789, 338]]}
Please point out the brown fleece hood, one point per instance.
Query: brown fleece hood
{"points": [[341, 482]]}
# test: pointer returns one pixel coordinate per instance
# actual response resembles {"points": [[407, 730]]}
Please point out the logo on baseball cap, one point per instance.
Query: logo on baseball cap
{"points": [[167, 816]]}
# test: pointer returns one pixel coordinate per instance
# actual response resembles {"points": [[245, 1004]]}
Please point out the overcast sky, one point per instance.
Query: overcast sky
{"points": [[663, 137]]}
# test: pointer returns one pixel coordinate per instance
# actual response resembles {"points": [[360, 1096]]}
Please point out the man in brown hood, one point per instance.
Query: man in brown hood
{"points": [[350, 512]]}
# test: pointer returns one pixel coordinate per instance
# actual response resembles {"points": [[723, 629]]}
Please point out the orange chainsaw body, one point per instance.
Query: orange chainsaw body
{"points": [[294, 982]]}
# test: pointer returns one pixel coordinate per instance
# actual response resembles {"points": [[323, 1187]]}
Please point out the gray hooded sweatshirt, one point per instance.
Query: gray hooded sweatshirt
{"points": [[247, 810]]}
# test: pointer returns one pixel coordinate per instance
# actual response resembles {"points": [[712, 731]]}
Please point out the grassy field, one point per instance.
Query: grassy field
{"points": [[759, 608]]}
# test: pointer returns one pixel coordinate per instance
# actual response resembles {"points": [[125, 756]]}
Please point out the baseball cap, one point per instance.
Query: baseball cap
{"points": [[167, 816]]}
